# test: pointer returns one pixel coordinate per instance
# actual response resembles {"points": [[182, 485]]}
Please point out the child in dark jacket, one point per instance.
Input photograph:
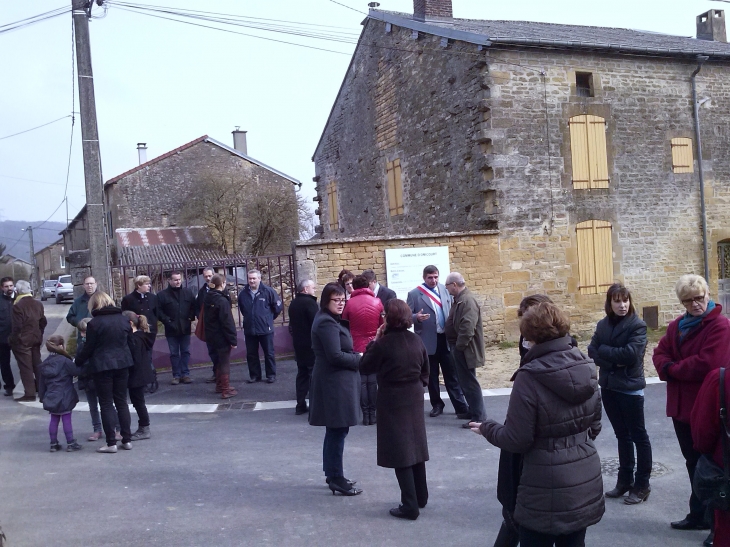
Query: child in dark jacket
{"points": [[141, 373], [56, 388]]}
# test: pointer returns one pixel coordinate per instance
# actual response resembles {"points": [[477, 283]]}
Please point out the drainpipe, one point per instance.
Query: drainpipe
{"points": [[700, 60]]}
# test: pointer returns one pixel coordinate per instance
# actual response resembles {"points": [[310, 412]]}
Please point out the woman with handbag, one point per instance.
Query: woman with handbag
{"points": [[696, 343], [618, 347], [707, 432]]}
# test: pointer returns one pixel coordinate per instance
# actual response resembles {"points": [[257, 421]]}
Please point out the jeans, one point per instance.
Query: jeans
{"points": [[179, 355], [332, 449], [470, 386], [626, 414], [136, 397], [442, 358], [252, 355], [5, 371], [530, 538], [305, 365], [111, 387], [686, 445], [413, 487]]}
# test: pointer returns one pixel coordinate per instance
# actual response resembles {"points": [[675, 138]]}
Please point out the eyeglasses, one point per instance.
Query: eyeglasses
{"points": [[696, 299], [337, 300]]}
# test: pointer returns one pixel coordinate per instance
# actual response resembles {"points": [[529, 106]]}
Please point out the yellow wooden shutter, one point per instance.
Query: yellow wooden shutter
{"points": [[332, 206], [682, 157], [588, 151], [579, 152], [395, 187], [595, 256]]}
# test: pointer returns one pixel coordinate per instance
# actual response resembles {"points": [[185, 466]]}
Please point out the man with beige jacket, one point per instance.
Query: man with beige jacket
{"points": [[465, 336]]}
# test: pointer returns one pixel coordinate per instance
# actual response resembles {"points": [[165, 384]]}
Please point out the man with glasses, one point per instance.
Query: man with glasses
{"points": [[7, 297], [80, 308], [465, 336], [430, 305]]}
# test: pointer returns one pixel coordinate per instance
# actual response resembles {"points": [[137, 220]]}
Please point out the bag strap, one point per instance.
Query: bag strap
{"points": [[723, 428]]}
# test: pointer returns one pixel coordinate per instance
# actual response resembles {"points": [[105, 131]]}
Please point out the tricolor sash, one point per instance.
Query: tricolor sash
{"points": [[435, 297]]}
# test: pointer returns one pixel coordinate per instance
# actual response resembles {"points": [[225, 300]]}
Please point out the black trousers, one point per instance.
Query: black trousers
{"points": [[442, 359], [626, 414], [305, 365], [252, 355], [413, 488], [5, 371], [686, 445], [530, 538], [470, 386], [136, 397], [111, 388]]}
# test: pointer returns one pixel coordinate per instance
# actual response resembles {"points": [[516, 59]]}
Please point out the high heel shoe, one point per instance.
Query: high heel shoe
{"points": [[344, 487], [348, 481]]}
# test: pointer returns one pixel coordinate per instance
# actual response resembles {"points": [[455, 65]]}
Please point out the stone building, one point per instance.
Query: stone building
{"points": [[550, 158], [51, 261]]}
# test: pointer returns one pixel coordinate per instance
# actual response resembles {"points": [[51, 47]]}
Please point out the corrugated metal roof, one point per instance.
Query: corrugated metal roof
{"points": [[176, 255], [183, 235]]}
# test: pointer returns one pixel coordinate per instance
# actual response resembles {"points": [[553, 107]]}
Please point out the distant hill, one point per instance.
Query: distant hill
{"points": [[12, 235]]}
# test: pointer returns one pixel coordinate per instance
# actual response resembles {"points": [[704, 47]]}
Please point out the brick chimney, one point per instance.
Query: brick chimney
{"points": [[436, 10], [710, 26]]}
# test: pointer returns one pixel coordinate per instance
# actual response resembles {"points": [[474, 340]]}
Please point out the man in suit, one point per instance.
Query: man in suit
{"points": [[383, 293], [430, 305]]}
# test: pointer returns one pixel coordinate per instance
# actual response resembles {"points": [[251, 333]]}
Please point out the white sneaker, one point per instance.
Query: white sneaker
{"points": [[126, 446], [107, 449]]}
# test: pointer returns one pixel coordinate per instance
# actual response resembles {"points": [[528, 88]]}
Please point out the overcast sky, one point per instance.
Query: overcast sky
{"points": [[167, 83]]}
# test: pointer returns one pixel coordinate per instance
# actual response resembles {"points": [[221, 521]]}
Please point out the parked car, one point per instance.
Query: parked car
{"points": [[49, 289], [64, 289]]}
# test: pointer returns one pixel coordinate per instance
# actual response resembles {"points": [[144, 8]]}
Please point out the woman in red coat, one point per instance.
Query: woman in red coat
{"points": [[365, 313], [695, 344], [706, 431]]}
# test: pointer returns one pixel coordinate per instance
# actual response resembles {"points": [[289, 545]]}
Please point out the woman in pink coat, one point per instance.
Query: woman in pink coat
{"points": [[365, 313]]}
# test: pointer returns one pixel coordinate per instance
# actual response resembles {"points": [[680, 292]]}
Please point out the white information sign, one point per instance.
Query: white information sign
{"points": [[404, 267]]}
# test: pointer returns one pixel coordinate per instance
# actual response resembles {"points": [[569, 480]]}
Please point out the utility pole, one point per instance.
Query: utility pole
{"points": [[98, 255], [34, 268]]}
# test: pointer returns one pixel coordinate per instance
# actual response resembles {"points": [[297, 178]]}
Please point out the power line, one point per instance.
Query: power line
{"points": [[354, 9], [9, 27], [37, 127]]}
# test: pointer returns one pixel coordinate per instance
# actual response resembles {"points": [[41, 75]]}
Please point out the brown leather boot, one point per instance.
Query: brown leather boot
{"points": [[228, 391]]}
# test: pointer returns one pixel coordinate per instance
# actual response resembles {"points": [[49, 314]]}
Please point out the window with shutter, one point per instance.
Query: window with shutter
{"points": [[395, 187], [682, 157], [588, 150], [595, 256], [334, 222]]}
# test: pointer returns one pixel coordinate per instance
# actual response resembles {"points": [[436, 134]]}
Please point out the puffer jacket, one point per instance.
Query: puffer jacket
{"points": [[363, 311], [553, 416], [56, 383], [618, 348]]}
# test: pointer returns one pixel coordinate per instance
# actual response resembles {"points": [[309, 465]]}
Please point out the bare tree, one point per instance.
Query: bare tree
{"points": [[247, 215]]}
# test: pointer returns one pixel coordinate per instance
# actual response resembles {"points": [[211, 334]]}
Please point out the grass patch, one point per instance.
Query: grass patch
{"points": [[507, 345], [654, 335], [71, 344]]}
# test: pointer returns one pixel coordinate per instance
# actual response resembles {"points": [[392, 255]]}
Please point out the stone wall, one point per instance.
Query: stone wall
{"points": [[484, 143]]}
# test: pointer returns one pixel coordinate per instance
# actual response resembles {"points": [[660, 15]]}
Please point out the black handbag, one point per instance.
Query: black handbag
{"points": [[711, 483]]}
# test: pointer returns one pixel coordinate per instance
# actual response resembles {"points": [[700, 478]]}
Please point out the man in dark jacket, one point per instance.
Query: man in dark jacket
{"points": [[301, 316], [80, 308], [383, 293], [29, 322], [208, 274], [7, 296], [259, 305], [177, 311]]}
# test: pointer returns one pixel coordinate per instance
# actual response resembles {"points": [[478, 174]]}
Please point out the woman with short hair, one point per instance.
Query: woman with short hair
{"points": [[695, 344], [399, 360], [345, 279], [618, 347], [334, 400], [108, 352], [553, 416]]}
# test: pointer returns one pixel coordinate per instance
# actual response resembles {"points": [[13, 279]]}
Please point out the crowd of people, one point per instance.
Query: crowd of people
{"points": [[359, 362]]}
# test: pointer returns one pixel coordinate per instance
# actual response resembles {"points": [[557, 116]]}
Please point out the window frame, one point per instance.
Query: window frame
{"points": [[589, 152]]}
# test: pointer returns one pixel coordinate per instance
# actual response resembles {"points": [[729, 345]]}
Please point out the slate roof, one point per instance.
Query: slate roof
{"points": [[565, 36]]}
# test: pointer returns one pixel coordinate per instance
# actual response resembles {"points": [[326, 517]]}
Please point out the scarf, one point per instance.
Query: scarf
{"points": [[689, 322], [17, 298]]}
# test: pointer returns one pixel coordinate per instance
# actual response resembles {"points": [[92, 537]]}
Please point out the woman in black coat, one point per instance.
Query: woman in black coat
{"points": [[399, 360], [140, 374], [108, 352], [220, 333], [618, 347], [334, 400]]}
